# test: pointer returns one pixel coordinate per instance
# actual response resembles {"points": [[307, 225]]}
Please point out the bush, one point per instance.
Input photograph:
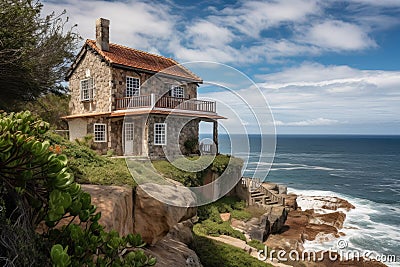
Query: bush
{"points": [[90, 167], [241, 215], [216, 254], [225, 204], [209, 227], [38, 186]]}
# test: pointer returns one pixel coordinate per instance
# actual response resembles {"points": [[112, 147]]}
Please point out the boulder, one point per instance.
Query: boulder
{"points": [[153, 218], [182, 232], [335, 219], [170, 252], [290, 201], [276, 215], [115, 204], [282, 189], [258, 228], [225, 216]]}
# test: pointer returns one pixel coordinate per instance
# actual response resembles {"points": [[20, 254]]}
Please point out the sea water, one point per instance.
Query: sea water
{"points": [[365, 170]]}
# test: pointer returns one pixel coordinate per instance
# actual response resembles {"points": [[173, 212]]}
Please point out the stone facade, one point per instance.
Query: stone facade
{"points": [[178, 128], [91, 66]]}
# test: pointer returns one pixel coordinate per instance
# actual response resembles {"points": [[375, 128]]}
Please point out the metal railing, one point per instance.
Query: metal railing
{"points": [[165, 102]]}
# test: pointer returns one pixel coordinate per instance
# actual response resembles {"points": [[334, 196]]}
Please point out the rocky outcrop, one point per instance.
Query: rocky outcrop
{"points": [[276, 215], [271, 222], [153, 218], [173, 249], [115, 204], [134, 211], [310, 225], [170, 252], [323, 203]]}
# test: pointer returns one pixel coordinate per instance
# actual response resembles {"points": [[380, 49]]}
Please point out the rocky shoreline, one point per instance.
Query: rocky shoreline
{"points": [[317, 219]]}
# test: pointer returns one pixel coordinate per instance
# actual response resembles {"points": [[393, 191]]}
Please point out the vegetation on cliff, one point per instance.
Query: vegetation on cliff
{"points": [[35, 52], [37, 186]]}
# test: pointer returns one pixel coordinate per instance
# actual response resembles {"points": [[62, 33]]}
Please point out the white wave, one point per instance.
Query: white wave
{"points": [[305, 167], [361, 231]]}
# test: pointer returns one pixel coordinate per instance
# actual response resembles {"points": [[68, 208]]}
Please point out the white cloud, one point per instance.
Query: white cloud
{"points": [[251, 17], [338, 35], [133, 23], [206, 34]]}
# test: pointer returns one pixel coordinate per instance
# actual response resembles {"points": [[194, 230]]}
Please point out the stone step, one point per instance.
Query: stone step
{"points": [[257, 194]]}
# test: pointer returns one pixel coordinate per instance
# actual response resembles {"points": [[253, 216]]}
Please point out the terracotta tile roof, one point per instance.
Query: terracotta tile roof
{"points": [[129, 57]]}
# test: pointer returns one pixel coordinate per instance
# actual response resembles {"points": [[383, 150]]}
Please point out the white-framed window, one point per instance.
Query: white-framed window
{"points": [[87, 89], [177, 91], [100, 132], [132, 86], [160, 133]]}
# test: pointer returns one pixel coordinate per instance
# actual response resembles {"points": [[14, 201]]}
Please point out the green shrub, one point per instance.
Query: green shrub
{"points": [[191, 146], [209, 227], [257, 245], [38, 186], [225, 204], [216, 254], [241, 215]]}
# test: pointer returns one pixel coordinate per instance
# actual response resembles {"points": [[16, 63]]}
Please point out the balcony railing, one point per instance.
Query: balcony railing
{"points": [[167, 102]]}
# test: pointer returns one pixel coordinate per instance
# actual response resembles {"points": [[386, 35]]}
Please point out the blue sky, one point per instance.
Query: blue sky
{"points": [[328, 67]]}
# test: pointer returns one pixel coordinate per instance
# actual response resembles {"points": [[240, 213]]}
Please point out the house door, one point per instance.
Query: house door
{"points": [[128, 137]]}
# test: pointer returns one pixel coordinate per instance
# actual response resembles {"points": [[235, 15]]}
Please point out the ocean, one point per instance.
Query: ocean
{"points": [[365, 170]]}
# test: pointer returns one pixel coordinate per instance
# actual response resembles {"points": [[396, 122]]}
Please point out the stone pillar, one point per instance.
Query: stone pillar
{"points": [[102, 34], [215, 135]]}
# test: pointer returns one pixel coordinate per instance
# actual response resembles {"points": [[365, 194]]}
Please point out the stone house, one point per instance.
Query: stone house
{"points": [[134, 102]]}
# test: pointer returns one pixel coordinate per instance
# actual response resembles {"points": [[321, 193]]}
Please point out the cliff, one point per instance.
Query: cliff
{"points": [[166, 228]]}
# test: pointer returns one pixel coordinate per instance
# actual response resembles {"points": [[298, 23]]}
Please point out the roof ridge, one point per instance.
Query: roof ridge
{"points": [[168, 62]]}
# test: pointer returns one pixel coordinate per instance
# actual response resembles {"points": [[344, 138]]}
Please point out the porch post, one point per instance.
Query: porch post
{"points": [[215, 135], [152, 100]]}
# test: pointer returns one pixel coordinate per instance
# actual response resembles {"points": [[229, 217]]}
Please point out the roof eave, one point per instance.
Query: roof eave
{"points": [[154, 72]]}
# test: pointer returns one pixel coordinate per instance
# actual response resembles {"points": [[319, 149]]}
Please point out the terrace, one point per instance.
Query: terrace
{"points": [[165, 102]]}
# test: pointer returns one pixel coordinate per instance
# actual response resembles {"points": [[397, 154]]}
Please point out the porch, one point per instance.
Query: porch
{"points": [[165, 102]]}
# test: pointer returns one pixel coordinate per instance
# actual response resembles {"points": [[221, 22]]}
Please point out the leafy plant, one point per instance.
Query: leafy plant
{"points": [[191, 145], [42, 188]]}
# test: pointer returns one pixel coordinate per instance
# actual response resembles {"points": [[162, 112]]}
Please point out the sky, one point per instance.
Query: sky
{"points": [[324, 66]]}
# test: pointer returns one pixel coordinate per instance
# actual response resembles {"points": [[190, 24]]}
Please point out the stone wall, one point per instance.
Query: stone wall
{"points": [[117, 134], [189, 131], [91, 66], [101, 147], [157, 85]]}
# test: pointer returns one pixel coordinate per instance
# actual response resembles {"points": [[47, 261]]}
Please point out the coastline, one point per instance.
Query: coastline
{"points": [[323, 222]]}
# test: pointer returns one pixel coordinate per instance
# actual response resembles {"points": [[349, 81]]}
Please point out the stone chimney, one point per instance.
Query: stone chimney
{"points": [[102, 34]]}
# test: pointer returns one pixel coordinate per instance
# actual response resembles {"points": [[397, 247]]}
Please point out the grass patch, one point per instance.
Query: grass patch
{"points": [[114, 172], [209, 227], [242, 215], [225, 204], [256, 244], [216, 254], [255, 211], [190, 176], [90, 167]]}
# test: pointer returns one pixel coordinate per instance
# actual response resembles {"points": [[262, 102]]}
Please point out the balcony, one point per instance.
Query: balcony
{"points": [[165, 102]]}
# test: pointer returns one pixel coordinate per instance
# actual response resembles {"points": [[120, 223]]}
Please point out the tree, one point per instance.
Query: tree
{"points": [[35, 52]]}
